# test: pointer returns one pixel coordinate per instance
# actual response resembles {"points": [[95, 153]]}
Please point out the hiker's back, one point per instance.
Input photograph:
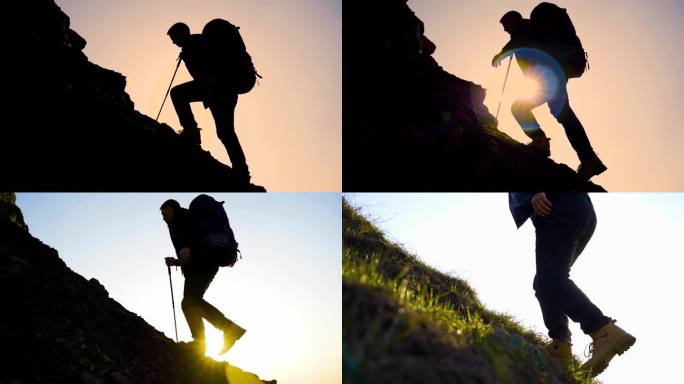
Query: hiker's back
{"points": [[556, 35]]}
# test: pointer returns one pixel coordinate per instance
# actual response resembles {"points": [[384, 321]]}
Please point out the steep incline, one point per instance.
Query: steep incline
{"points": [[58, 327], [71, 126], [405, 322], [411, 126]]}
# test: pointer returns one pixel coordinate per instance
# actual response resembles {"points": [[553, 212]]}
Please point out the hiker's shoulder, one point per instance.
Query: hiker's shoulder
{"points": [[196, 41]]}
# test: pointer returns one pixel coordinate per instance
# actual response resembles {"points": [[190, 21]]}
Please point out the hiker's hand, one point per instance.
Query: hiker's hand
{"points": [[541, 204], [496, 60], [171, 261], [184, 256]]}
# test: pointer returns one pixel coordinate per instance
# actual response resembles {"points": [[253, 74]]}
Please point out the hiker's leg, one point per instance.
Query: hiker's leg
{"points": [[552, 312], [592, 318], [192, 295], [204, 308], [522, 108], [559, 237], [223, 110], [522, 111], [560, 109], [590, 226], [182, 95]]}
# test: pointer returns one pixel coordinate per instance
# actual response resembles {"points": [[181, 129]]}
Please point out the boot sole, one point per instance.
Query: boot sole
{"points": [[620, 346]]}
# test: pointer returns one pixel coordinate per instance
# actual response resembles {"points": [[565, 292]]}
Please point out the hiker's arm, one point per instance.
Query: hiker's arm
{"points": [[505, 51], [184, 256], [541, 204]]}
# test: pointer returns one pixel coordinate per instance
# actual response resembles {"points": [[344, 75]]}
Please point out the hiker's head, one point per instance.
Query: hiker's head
{"points": [[510, 21], [179, 33], [168, 208]]}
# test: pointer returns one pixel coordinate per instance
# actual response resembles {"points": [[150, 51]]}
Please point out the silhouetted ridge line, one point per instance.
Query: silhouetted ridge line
{"points": [[73, 127], [58, 327], [411, 126]]}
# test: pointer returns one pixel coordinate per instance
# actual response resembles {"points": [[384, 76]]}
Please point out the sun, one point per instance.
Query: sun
{"points": [[214, 339]]}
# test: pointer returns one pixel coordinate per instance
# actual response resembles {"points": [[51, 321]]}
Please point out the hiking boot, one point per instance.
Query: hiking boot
{"points": [[243, 177], [608, 341], [591, 167], [560, 350], [191, 135], [230, 336], [540, 146]]}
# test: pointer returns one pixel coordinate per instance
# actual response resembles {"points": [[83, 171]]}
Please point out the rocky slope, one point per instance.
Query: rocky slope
{"points": [[58, 327], [405, 322], [411, 126], [71, 125]]}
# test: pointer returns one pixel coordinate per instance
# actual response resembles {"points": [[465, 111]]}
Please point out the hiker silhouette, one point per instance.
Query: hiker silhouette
{"points": [[564, 224], [199, 267], [547, 49], [214, 84]]}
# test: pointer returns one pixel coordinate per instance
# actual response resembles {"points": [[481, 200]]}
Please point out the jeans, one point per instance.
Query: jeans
{"points": [[561, 238], [222, 107], [552, 90], [195, 308]]}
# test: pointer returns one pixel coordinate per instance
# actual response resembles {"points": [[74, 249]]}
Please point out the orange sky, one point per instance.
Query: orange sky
{"points": [[289, 126], [629, 101]]}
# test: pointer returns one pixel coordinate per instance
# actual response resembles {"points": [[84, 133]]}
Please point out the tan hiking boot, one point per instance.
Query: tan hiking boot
{"points": [[608, 341], [560, 350]]}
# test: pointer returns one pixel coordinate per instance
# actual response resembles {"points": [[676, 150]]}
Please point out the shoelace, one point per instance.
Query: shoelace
{"points": [[590, 347]]}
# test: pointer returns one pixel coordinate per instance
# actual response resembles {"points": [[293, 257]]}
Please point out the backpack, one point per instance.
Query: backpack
{"points": [[232, 63], [213, 229], [559, 38]]}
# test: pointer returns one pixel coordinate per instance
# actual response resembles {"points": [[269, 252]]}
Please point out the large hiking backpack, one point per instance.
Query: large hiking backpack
{"points": [[232, 63], [559, 38], [215, 235]]}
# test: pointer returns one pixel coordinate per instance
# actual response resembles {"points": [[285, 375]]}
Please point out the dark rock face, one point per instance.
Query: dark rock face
{"points": [[77, 129], [58, 327], [411, 126]]}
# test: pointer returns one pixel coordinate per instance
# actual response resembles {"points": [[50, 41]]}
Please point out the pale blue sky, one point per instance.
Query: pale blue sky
{"points": [[286, 291], [631, 268]]}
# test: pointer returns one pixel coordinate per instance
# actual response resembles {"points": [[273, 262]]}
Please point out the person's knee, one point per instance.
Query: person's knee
{"points": [[187, 303], [176, 93], [560, 110], [519, 109], [548, 283]]}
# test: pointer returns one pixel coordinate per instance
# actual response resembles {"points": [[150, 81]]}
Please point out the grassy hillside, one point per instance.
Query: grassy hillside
{"points": [[404, 321]]}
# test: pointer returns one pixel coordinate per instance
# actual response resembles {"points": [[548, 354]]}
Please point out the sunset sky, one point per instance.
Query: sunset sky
{"points": [[631, 268], [286, 290], [629, 101], [289, 125]]}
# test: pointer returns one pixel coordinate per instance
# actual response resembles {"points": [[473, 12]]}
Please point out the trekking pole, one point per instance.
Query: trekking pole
{"points": [[173, 305], [510, 59], [169, 89]]}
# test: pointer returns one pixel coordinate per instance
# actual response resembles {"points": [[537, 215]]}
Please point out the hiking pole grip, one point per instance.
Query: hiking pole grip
{"points": [[510, 59], [173, 304], [167, 92]]}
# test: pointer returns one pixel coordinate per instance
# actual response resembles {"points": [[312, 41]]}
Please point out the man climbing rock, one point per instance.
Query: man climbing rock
{"points": [[564, 223], [210, 85], [199, 270], [548, 50]]}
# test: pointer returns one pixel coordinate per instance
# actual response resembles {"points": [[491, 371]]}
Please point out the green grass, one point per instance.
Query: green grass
{"points": [[446, 302]]}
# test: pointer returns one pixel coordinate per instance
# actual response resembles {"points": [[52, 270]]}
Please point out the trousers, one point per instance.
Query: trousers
{"points": [[560, 239]]}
